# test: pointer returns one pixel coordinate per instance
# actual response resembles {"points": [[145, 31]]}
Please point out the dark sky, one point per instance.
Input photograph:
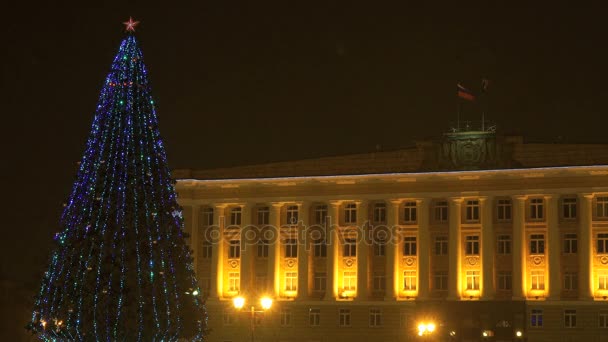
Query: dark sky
{"points": [[241, 83]]}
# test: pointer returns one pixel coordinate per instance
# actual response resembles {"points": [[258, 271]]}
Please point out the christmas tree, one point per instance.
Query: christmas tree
{"points": [[121, 269]]}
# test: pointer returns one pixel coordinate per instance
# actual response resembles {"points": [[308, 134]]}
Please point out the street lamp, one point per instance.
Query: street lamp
{"points": [[239, 304], [426, 328]]}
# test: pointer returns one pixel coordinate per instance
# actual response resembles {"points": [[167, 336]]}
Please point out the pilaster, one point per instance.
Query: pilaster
{"points": [[585, 250], [454, 246], [363, 246], [424, 248], [519, 266], [487, 247], [554, 243]]}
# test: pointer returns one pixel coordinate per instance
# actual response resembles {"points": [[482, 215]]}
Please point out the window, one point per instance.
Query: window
{"points": [[440, 281], [472, 211], [537, 209], [538, 280], [409, 212], [350, 281], [234, 251], [601, 207], [319, 281], [503, 207], [228, 317], [472, 280], [263, 248], [207, 249], [602, 281], [375, 317], [570, 318], [344, 317], [291, 281], [472, 244], [379, 247], [285, 317], [207, 216], [409, 280], [379, 212], [379, 282], [602, 243], [569, 208], [504, 244], [263, 215], [570, 281], [570, 244], [320, 214], [441, 211], [603, 319], [234, 281], [319, 248], [314, 317], [292, 215], [350, 213], [350, 247], [409, 245], [441, 245], [504, 280], [536, 318], [291, 248], [537, 244], [235, 216], [405, 319]]}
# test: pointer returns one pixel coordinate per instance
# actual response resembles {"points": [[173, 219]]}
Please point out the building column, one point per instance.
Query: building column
{"points": [[585, 251], [519, 251], [424, 248], [487, 247], [454, 246], [392, 266], [303, 250], [554, 243], [333, 245], [217, 253], [362, 250], [194, 242], [247, 249], [274, 253]]}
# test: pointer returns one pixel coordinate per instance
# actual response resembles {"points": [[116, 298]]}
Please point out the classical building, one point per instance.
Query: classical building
{"points": [[486, 237]]}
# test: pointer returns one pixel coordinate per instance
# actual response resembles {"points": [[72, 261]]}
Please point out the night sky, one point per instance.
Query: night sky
{"points": [[243, 83]]}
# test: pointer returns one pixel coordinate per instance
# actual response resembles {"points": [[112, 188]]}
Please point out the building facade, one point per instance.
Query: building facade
{"points": [[487, 238]]}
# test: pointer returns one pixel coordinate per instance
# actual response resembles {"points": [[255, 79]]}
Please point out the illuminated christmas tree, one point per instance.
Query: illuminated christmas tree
{"points": [[121, 269]]}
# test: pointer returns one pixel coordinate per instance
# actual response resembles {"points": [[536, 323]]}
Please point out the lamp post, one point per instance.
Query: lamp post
{"points": [[239, 304], [426, 329]]}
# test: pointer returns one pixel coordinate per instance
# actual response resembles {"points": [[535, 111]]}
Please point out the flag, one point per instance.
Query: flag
{"points": [[465, 93]]}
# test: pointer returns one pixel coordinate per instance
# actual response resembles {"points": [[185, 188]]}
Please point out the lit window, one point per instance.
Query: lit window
{"points": [[503, 207], [379, 282], [601, 207], [291, 281], [472, 280], [314, 317], [570, 244], [537, 244], [441, 211], [350, 281], [570, 318], [350, 247], [602, 243], [472, 244], [207, 249], [569, 208], [536, 318], [235, 216], [472, 211], [504, 280], [263, 215], [234, 281], [207, 216], [538, 280], [537, 209], [319, 281], [441, 245], [379, 213], [570, 281], [440, 281], [320, 214], [603, 319], [292, 214], [375, 317], [234, 252], [409, 212], [344, 317], [602, 281], [350, 213], [285, 317], [409, 245], [291, 248], [504, 244], [409, 280], [263, 248], [319, 248]]}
